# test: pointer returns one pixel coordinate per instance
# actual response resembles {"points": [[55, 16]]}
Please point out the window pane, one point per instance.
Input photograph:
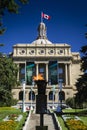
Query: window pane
{"points": [[30, 72]]}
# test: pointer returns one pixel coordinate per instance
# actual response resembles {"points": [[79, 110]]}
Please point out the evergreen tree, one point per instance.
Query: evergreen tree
{"points": [[81, 83], [8, 79]]}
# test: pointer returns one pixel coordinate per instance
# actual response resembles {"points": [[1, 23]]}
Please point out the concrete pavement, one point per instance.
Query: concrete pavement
{"points": [[34, 120]]}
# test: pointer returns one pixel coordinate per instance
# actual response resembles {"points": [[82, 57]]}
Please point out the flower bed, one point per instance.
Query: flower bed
{"points": [[8, 125], [74, 123], [11, 119], [14, 117]]}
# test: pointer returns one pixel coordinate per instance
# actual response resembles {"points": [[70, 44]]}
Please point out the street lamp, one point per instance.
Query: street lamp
{"points": [[23, 106], [59, 108], [31, 94], [60, 93], [53, 89]]}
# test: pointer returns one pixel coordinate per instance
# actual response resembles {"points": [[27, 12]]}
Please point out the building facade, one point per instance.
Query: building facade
{"points": [[60, 67]]}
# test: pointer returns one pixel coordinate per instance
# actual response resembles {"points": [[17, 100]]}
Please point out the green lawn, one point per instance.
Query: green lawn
{"points": [[83, 118], [74, 110], [62, 123], [12, 113], [4, 111]]}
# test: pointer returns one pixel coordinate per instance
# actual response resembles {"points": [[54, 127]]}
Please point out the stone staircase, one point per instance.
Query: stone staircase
{"points": [[35, 121]]}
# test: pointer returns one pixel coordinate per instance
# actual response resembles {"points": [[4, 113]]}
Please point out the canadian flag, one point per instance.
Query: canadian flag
{"points": [[46, 16]]}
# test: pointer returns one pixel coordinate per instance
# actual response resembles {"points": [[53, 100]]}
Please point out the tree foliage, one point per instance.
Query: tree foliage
{"points": [[12, 6], [8, 79], [81, 83]]}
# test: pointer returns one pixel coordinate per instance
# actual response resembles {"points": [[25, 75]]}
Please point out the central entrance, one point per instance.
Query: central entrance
{"points": [[42, 70]]}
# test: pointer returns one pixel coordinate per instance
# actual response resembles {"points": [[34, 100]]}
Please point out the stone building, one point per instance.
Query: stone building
{"points": [[59, 66]]}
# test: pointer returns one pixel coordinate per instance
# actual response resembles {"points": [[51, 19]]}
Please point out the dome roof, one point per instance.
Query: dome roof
{"points": [[41, 41]]}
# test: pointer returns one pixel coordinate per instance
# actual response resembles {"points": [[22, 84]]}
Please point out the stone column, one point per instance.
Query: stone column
{"points": [[25, 70], [47, 72], [70, 78], [18, 72], [66, 75], [37, 69]]}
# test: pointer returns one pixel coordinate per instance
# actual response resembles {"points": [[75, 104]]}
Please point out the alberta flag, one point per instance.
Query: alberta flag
{"points": [[45, 16]]}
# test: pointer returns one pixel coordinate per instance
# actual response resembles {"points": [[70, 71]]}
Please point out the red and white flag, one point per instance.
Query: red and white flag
{"points": [[45, 16]]}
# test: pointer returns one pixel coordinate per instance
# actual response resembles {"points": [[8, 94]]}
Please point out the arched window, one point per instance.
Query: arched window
{"points": [[61, 95], [51, 95], [31, 95], [21, 95]]}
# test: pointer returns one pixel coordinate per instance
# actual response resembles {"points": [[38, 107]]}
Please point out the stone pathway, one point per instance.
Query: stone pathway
{"points": [[35, 121]]}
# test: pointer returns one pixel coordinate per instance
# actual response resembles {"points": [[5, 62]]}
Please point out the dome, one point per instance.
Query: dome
{"points": [[41, 41]]}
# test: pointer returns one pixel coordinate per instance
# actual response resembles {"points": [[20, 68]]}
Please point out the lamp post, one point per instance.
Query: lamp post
{"points": [[53, 88], [31, 94], [23, 106], [60, 95], [59, 108]]}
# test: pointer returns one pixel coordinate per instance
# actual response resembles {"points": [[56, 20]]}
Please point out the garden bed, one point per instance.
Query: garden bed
{"points": [[11, 118], [74, 122]]}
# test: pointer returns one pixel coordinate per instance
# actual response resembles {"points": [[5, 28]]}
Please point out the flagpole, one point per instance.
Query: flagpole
{"points": [[41, 17]]}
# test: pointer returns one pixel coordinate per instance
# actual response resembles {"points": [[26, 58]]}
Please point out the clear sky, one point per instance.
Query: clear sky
{"points": [[67, 23]]}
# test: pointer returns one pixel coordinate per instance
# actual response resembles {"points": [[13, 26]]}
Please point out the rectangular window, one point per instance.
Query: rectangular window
{"points": [[53, 73], [30, 72], [22, 72]]}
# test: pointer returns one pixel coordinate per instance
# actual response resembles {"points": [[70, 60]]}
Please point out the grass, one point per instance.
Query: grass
{"points": [[5, 111], [62, 123], [84, 119], [74, 110]]}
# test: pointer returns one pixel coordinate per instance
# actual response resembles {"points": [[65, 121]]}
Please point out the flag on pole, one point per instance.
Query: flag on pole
{"points": [[45, 16]]}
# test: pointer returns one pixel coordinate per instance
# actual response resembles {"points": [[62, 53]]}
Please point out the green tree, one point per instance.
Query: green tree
{"points": [[12, 6], [8, 79], [81, 83]]}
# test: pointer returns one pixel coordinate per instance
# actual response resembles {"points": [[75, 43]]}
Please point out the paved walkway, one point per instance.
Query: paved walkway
{"points": [[35, 121]]}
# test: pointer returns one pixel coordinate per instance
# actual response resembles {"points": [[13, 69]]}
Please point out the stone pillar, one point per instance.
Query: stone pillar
{"points": [[47, 72], [25, 70], [70, 78], [18, 72], [37, 69], [66, 75]]}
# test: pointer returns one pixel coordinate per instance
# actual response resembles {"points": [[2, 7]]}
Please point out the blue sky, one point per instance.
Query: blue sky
{"points": [[67, 23]]}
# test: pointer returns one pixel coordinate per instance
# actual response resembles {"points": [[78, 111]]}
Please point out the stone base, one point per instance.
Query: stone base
{"points": [[41, 127], [41, 104]]}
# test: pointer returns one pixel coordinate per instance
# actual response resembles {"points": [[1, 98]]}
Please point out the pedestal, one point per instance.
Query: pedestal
{"points": [[41, 127], [41, 104]]}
